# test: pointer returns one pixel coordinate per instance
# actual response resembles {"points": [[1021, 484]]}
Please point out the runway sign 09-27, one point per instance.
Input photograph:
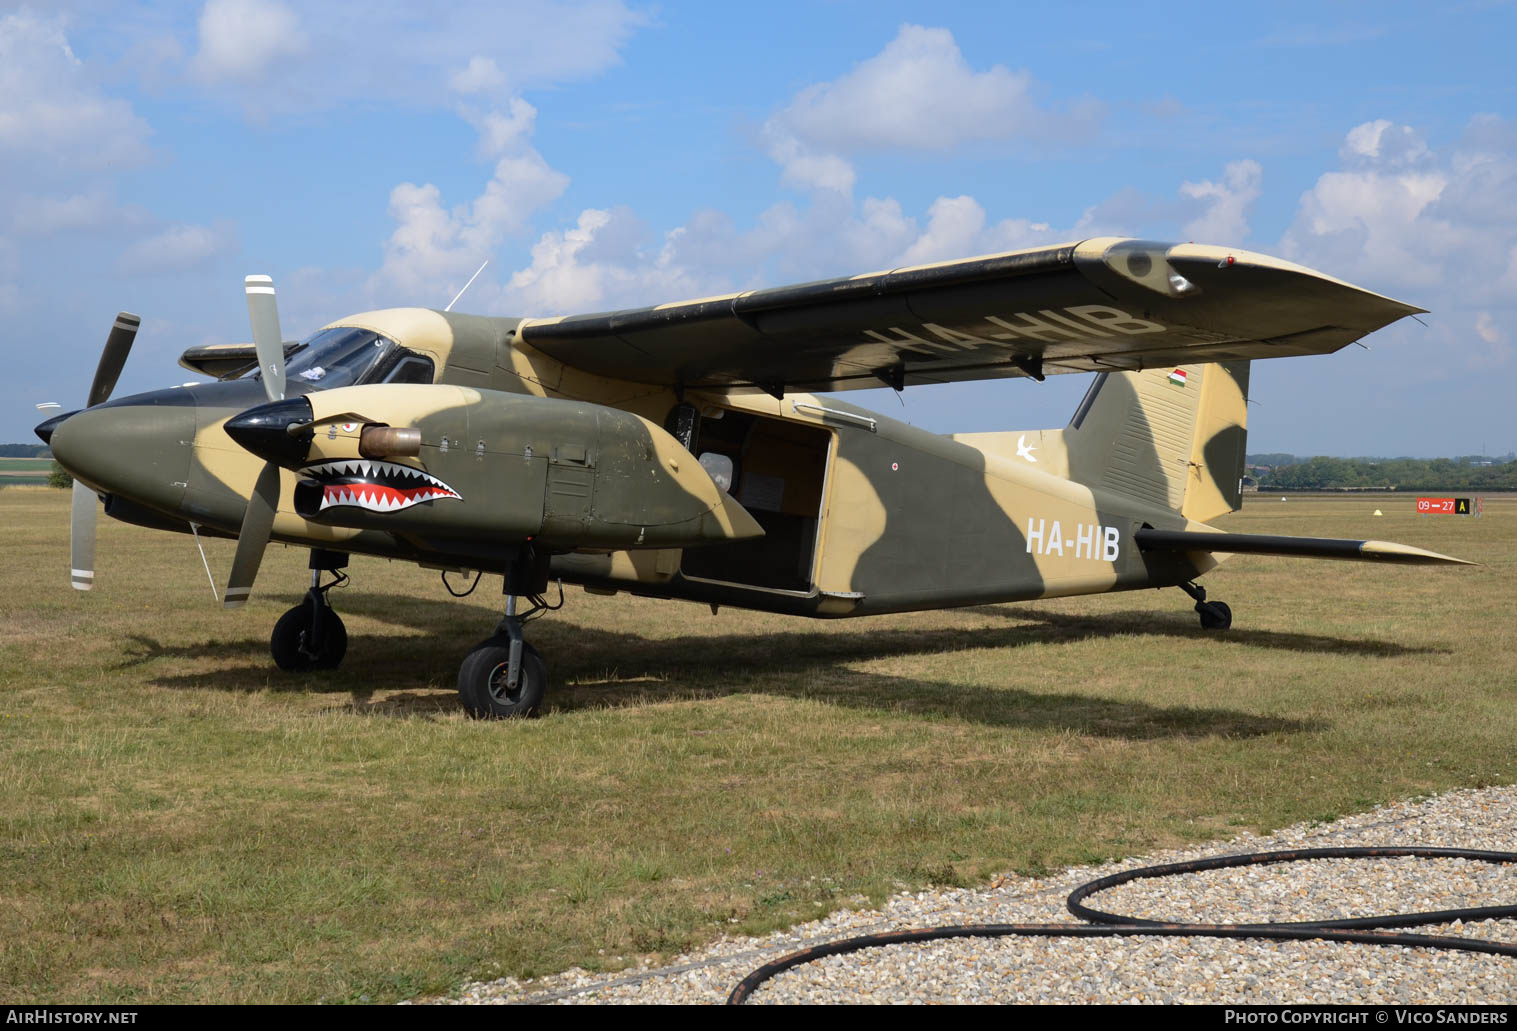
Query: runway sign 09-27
{"points": [[1443, 506]]}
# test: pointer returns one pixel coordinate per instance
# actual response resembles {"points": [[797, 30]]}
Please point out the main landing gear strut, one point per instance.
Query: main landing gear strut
{"points": [[504, 676], [311, 635], [1215, 615]]}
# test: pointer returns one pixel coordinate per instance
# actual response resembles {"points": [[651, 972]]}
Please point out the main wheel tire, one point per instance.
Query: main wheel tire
{"points": [[482, 681], [1215, 615], [289, 643]]}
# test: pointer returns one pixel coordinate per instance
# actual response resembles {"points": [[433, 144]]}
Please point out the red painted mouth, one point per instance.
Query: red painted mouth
{"points": [[376, 486]]}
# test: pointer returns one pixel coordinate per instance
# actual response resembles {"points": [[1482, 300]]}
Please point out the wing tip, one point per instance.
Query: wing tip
{"points": [[1407, 553]]}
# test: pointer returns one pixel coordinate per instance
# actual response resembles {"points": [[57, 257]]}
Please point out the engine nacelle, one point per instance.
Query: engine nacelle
{"points": [[500, 467]]}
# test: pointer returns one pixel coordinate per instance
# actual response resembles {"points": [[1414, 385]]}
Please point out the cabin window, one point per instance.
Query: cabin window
{"points": [[720, 468]]}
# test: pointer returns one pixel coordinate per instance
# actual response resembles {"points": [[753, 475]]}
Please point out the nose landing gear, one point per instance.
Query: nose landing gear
{"points": [[311, 635]]}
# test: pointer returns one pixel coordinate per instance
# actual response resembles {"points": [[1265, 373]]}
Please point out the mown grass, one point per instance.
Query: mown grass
{"points": [[17, 472], [183, 823]]}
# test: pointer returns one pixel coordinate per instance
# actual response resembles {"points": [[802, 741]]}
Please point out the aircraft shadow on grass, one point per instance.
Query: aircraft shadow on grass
{"points": [[599, 669]]}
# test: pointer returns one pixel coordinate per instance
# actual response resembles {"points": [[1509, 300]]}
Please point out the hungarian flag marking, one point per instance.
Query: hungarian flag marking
{"points": [[1177, 377]]}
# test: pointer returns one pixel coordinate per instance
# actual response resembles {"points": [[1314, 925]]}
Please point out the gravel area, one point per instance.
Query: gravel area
{"points": [[1156, 970]]}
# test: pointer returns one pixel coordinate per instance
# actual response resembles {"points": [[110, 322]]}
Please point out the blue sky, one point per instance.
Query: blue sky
{"points": [[603, 154]]}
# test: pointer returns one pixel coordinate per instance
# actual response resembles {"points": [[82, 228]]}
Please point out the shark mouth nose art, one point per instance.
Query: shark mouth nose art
{"points": [[375, 486]]}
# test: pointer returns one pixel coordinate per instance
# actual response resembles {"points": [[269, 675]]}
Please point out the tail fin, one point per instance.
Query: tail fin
{"points": [[1169, 436]]}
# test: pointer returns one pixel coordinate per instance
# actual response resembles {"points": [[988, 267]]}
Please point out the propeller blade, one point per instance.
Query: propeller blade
{"points": [[83, 513], [82, 537], [263, 312], [117, 346], [257, 524]]}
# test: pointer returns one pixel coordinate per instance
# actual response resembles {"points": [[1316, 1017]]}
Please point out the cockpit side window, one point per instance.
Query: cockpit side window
{"points": [[412, 368]]}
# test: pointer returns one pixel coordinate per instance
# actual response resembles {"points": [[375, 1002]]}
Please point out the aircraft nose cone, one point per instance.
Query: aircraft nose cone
{"points": [[138, 447], [45, 429]]}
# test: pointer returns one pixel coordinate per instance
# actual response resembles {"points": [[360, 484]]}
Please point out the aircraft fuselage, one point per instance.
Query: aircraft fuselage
{"points": [[861, 513]]}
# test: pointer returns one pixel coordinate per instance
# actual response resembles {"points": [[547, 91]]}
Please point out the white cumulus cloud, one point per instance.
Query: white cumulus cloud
{"points": [[52, 112], [242, 40], [1497, 340], [179, 247], [501, 131], [78, 212], [954, 228], [917, 94], [607, 261], [480, 75], [1225, 218], [1378, 219], [574, 270], [433, 248], [1384, 143], [273, 57], [1434, 226]]}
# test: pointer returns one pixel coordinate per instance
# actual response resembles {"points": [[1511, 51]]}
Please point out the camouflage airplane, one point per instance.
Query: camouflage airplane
{"points": [[679, 451]]}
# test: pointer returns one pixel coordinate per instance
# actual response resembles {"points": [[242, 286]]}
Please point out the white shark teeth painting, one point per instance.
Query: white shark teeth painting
{"points": [[376, 486]]}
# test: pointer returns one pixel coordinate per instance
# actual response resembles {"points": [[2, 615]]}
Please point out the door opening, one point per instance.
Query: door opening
{"points": [[778, 472]]}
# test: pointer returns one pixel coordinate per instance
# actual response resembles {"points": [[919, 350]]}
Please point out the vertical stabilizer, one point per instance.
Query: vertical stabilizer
{"points": [[1169, 436]]}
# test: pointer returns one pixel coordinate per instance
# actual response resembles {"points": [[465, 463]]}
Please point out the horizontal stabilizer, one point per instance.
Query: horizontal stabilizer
{"points": [[1299, 547]]}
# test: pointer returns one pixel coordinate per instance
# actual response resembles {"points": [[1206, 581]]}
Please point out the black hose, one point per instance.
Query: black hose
{"points": [[1110, 925]]}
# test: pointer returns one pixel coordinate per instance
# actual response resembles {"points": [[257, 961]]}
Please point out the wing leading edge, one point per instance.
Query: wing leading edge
{"points": [[1100, 305]]}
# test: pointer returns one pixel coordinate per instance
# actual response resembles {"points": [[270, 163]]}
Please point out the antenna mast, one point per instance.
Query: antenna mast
{"points": [[467, 285]]}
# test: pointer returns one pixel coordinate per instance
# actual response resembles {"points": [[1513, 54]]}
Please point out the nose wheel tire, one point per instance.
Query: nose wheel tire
{"points": [[297, 649], [482, 681]]}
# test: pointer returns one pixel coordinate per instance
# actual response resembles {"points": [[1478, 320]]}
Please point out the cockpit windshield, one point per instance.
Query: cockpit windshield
{"points": [[345, 356]]}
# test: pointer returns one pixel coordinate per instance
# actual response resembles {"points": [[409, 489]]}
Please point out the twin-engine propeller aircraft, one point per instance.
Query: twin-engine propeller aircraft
{"points": [[679, 452]]}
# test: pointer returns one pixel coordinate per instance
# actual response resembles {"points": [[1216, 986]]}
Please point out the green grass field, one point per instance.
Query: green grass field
{"points": [[18, 472], [183, 823]]}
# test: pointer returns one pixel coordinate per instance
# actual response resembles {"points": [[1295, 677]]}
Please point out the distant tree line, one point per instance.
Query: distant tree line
{"points": [[1272, 459], [1469, 473], [24, 451]]}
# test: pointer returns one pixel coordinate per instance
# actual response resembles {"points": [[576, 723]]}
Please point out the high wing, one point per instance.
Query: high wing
{"points": [[1099, 305]]}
